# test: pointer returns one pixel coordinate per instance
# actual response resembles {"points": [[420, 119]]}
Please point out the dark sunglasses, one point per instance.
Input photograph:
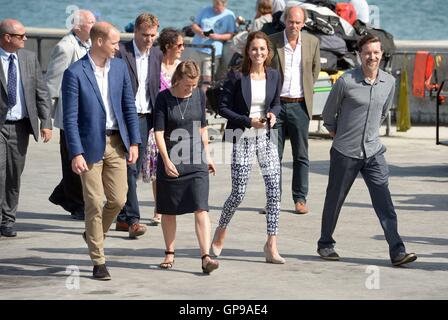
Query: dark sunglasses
{"points": [[20, 36], [178, 46]]}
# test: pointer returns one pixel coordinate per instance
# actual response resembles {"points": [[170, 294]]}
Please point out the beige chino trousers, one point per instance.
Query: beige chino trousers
{"points": [[107, 177]]}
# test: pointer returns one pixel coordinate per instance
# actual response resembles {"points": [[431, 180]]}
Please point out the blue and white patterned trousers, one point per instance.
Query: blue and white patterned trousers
{"points": [[242, 158]]}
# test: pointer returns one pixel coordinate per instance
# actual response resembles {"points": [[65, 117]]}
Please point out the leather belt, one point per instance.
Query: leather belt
{"points": [[142, 115], [292, 100], [110, 132], [14, 121]]}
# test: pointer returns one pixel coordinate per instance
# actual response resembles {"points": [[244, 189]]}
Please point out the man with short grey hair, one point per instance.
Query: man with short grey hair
{"points": [[24, 100], [357, 105], [71, 48]]}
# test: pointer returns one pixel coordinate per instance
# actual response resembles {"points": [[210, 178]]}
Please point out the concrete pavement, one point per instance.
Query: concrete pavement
{"points": [[49, 258]]}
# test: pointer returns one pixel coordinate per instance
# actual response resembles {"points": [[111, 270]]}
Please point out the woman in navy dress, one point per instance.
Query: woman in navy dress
{"points": [[184, 162]]}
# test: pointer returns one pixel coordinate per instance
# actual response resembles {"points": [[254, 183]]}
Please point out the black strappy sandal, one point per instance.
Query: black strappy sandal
{"points": [[210, 266], [169, 264]]}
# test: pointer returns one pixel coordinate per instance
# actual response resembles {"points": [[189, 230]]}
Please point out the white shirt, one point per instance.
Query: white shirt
{"points": [[142, 96], [292, 74], [258, 106], [101, 75], [83, 46], [18, 111]]}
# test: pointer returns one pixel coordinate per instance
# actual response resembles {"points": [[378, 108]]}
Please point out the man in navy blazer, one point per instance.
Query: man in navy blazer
{"points": [[101, 126], [144, 62]]}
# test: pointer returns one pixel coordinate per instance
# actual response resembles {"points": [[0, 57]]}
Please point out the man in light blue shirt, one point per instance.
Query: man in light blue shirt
{"points": [[213, 26]]}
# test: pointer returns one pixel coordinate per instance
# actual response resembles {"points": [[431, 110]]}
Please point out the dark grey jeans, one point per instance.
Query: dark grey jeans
{"points": [[343, 172], [293, 120]]}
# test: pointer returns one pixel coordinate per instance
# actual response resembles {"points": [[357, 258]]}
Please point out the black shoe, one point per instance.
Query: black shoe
{"points": [[404, 258], [54, 200], [100, 272], [8, 231], [78, 214], [59, 202]]}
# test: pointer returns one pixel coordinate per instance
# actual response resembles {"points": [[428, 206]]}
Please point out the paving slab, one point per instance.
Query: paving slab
{"points": [[49, 259]]}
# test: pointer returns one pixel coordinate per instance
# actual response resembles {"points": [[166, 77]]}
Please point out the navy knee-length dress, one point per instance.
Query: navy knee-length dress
{"points": [[181, 120]]}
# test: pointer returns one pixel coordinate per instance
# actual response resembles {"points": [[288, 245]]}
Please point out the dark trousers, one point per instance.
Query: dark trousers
{"points": [[68, 193], [14, 139], [131, 211], [343, 172], [294, 121]]}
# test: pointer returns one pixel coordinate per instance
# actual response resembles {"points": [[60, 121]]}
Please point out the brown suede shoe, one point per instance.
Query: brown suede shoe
{"points": [[121, 226], [301, 208], [136, 230]]}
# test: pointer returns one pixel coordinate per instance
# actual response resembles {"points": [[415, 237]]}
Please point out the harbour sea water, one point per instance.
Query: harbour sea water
{"points": [[405, 19]]}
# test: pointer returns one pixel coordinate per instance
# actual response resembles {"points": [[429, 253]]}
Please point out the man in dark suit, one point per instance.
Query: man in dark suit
{"points": [[24, 100], [100, 126], [144, 63], [297, 56]]}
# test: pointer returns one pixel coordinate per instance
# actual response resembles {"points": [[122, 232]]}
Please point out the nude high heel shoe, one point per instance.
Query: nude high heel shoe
{"points": [[216, 250], [277, 259]]}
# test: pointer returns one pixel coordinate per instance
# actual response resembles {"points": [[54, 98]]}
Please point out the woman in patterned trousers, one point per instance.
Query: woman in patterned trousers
{"points": [[250, 102]]}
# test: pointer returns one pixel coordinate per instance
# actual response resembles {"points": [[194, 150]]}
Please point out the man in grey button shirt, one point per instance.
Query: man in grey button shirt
{"points": [[355, 109]]}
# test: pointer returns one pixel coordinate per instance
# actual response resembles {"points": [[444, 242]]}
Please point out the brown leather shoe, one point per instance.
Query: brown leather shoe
{"points": [[301, 208], [136, 230], [121, 226]]}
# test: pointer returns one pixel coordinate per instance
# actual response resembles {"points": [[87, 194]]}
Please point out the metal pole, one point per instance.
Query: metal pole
{"points": [[437, 119], [388, 123], [438, 111], [213, 64], [39, 50], [415, 52]]}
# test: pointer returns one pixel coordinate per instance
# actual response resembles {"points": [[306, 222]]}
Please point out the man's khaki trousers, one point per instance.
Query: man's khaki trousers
{"points": [[107, 177]]}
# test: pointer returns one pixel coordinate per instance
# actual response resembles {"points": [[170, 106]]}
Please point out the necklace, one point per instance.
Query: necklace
{"points": [[182, 114]]}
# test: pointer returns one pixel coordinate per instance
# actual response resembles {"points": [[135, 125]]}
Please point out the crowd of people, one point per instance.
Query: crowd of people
{"points": [[132, 109]]}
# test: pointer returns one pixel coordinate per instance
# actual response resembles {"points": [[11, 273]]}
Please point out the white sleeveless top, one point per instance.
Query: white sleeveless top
{"points": [[258, 106]]}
